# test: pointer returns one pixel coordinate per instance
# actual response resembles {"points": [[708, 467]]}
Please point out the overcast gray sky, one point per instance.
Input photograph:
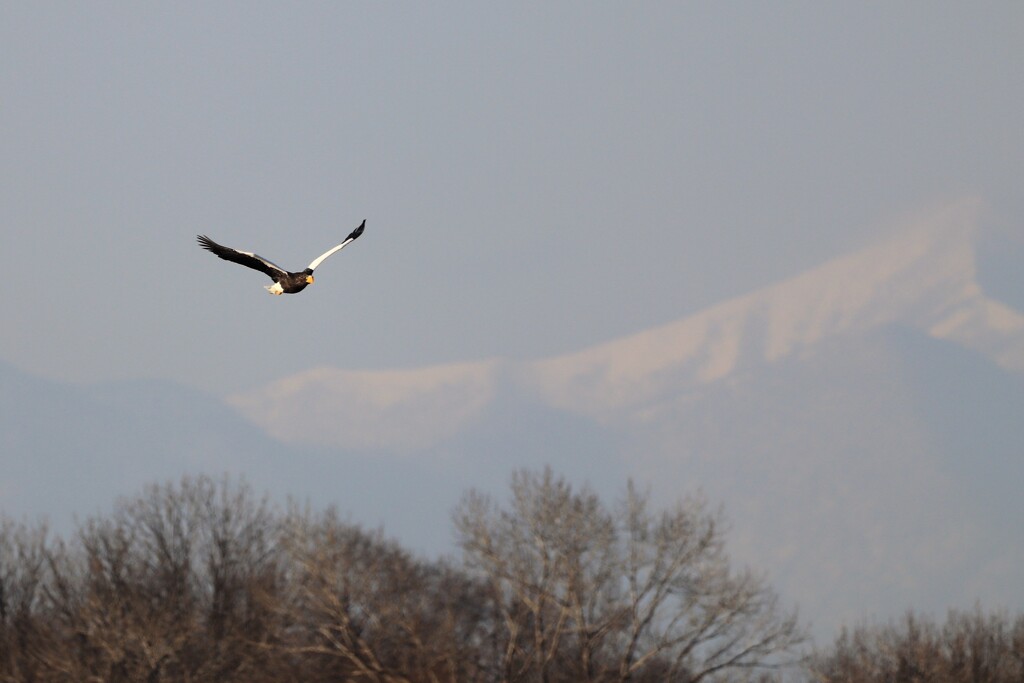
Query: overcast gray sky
{"points": [[536, 177]]}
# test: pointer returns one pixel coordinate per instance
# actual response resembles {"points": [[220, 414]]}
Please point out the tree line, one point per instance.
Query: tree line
{"points": [[202, 580]]}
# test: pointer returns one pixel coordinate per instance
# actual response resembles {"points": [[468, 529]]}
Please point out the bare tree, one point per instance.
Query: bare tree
{"points": [[586, 592], [970, 647], [22, 570], [546, 560], [373, 611], [171, 586]]}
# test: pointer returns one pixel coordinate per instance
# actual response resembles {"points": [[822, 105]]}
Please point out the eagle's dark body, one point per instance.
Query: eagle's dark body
{"points": [[293, 283]]}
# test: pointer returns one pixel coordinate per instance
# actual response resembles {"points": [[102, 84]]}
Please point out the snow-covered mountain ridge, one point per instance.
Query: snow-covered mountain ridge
{"points": [[923, 277]]}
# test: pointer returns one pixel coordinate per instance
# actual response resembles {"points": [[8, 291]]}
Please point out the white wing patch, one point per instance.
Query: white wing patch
{"points": [[265, 261], [320, 259]]}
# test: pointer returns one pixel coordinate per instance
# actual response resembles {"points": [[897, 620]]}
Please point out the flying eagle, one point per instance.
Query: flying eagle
{"points": [[284, 281]]}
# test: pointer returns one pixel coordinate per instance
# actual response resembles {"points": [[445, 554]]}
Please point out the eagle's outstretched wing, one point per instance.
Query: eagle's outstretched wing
{"points": [[244, 258], [320, 259]]}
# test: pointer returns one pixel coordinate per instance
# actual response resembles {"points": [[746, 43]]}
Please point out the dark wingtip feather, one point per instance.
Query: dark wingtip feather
{"points": [[358, 231]]}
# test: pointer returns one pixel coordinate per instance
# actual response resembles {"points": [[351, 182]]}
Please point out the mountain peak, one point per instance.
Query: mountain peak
{"points": [[922, 276]]}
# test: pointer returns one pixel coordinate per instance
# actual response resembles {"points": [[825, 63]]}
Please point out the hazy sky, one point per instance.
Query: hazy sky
{"points": [[536, 177]]}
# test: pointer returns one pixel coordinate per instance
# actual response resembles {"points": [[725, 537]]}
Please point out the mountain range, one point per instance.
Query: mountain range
{"points": [[860, 423]]}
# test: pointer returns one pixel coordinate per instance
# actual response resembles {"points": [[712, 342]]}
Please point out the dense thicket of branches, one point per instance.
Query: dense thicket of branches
{"points": [[203, 581], [971, 647]]}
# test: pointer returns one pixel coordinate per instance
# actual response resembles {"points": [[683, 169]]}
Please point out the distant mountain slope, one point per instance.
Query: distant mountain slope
{"points": [[868, 474], [69, 449], [396, 410]]}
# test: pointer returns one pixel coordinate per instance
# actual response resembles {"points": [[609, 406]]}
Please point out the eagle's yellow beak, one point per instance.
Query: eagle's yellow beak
{"points": [[309, 279]]}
